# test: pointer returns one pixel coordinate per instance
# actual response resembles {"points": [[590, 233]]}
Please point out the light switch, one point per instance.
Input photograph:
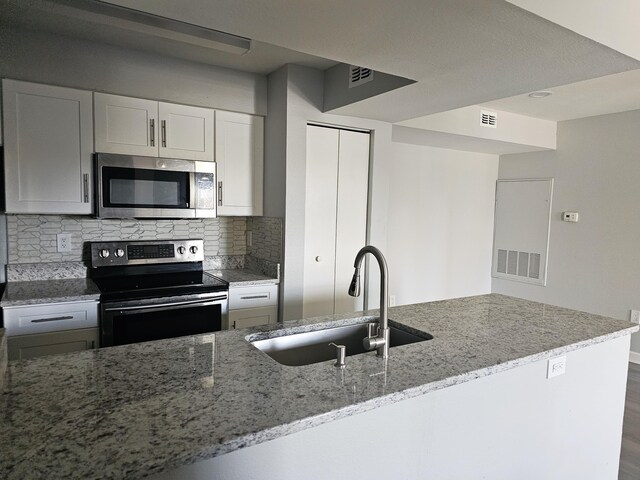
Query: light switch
{"points": [[570, 217]]}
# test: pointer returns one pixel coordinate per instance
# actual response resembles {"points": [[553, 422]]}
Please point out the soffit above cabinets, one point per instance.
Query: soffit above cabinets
{"points": [[476, 129]]}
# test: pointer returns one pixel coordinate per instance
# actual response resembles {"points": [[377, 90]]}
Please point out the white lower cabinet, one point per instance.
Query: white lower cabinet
{"points": [[252, 306], [41, 344], [37, 330]]}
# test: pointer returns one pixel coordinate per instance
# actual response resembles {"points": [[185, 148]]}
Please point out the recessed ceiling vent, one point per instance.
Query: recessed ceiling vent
{"points": [[488, 119], [359, 75]]}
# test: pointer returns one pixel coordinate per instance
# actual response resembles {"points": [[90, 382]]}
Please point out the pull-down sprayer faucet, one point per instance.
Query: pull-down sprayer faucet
{"points": [[381, 341]]}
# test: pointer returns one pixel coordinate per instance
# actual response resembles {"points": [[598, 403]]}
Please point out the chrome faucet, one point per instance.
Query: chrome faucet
{"points": [[381, 341]]}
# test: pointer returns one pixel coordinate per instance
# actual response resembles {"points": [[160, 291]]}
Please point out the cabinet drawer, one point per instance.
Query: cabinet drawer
{"points": [[254, 296], [25, 320]]}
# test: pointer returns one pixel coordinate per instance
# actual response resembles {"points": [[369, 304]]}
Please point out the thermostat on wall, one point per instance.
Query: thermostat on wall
{"points": [[570, 216]]}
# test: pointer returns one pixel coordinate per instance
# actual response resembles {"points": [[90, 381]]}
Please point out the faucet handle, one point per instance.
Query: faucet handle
{"points": [[371, 343], [341, 353]]}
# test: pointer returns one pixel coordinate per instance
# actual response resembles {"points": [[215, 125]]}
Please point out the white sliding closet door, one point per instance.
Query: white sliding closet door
{"points": [[335, 217]]}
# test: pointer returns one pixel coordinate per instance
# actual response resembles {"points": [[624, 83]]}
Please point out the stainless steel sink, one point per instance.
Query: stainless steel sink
{"points": [[313, 347]]}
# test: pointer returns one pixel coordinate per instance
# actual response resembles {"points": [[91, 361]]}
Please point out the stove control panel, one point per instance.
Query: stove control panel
{"points": [[105, 254]]}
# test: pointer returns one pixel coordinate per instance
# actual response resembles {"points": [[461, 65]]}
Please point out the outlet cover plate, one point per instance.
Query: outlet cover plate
{"points": [[64, 242], [556, 366], [635, 316]]}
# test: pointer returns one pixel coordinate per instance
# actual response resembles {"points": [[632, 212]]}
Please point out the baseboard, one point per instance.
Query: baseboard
{"points": [[634, 357]]}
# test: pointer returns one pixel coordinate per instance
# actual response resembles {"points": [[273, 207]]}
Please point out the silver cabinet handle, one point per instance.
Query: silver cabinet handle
{"points": [[163, 128], [52, 319], [152, 129], [253, 297], [85, 187], [219, 193]]}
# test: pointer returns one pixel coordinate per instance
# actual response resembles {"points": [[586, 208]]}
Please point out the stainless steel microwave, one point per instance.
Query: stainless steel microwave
{"points": [[131, 186]]}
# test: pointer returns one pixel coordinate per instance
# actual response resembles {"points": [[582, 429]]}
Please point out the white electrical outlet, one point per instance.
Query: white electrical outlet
{"points": [[556, 367], [64, 242], [392, 300], [635, 316]]}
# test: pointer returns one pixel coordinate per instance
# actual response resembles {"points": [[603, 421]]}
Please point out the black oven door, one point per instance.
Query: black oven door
{"points": [[133, 321]]}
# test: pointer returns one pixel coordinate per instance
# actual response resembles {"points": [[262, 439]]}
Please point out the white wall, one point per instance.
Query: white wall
{"points": [[593, 265], [440, 223], [58, 60]]}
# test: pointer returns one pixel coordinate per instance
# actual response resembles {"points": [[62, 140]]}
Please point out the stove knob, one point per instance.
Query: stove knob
{"points": [[181, 250], [193, 249], [119, 252], [104, 252]]}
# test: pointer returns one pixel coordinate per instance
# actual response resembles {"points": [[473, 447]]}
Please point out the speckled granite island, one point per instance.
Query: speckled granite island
{"points": [[474, 402]]}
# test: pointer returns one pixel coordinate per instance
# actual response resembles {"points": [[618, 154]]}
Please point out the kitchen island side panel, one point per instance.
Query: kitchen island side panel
{"points": [[514, 424]]}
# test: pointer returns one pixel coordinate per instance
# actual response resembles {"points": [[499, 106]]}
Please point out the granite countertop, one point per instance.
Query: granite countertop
{"points": [[130, 411], [243, 277], [35, 292], [49, 291]]}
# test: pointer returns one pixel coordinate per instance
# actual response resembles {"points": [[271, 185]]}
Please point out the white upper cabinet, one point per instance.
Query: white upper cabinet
{"points": [[48, 135], [125, 125], [240, 163], [186, 132], [134, 126]]}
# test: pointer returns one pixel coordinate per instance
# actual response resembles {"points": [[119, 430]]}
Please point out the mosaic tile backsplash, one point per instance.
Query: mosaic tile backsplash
{"points": [[32, 238], [266, 238]]}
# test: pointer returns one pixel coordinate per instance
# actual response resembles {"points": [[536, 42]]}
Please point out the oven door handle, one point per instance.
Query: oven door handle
{"points": [[204, 302]]}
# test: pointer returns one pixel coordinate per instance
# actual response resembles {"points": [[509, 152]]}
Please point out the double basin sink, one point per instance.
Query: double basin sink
{"points": [[313, 347]]}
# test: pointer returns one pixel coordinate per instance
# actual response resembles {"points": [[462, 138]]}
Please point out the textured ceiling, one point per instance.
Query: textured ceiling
{"points": [[461, 52], [61, 17], [599, 96]]}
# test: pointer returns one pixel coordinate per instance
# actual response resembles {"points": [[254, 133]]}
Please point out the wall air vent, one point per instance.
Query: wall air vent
{"points": [[521, 264], [359, 75], [488, 119]]}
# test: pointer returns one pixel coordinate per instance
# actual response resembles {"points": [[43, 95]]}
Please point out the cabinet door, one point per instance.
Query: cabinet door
{"points": [[125, 125], [320, 221], [38, 345], [48, 148], [251, 317], [186, 132], [240, 163]]}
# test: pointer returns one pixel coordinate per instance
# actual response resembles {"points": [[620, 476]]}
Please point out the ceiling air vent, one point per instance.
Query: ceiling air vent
{"points": [[359, 75], [488, 119]]}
